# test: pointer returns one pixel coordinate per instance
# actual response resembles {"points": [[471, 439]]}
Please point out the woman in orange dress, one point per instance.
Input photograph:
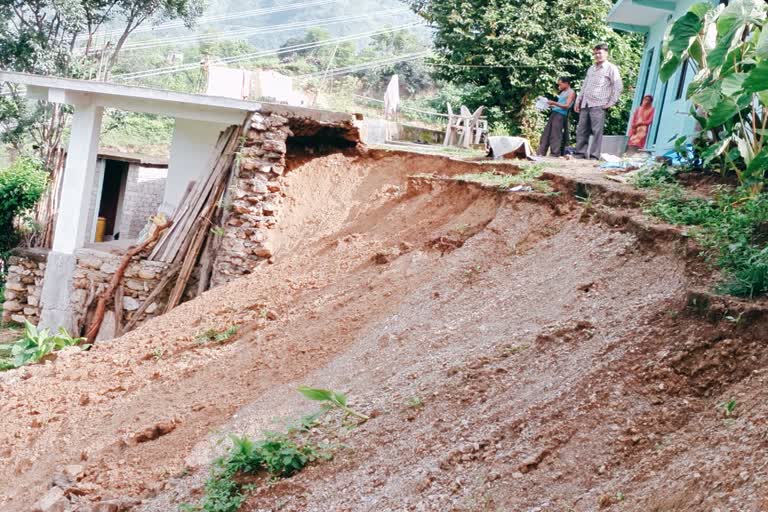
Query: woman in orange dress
{"points": [[641, 124]]}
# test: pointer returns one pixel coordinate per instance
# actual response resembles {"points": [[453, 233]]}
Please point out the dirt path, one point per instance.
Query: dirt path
{"points": [[552, 353]]}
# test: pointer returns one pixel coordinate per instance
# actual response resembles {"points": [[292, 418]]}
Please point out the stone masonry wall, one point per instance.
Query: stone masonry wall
{"points": [[95, 269], [144, 192], [24, 284], [254, 199]]}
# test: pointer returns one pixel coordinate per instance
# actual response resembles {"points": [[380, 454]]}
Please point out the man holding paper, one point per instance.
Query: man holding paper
{"points": [[552, 137]]}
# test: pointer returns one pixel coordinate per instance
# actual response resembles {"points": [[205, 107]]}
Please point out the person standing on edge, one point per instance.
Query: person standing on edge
{"points": [[552, 137], [599, 92]]}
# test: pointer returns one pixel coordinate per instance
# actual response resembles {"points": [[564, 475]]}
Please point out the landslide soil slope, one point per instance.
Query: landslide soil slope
{"points": [[553, 357]]}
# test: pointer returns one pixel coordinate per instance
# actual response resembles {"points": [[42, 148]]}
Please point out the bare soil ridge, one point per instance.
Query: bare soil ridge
{"points": [[557, 355]]}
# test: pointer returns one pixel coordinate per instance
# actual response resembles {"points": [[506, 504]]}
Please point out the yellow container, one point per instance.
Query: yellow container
{"points": [[101, 226]]}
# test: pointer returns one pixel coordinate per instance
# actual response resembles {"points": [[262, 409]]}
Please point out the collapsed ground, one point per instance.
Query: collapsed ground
{"points": [[555, 354]]}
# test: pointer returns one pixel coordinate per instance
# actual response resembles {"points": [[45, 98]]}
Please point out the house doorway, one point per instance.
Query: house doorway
{"points": [[112, 195]]}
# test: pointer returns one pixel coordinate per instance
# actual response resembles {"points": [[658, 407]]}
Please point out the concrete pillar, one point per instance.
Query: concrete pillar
{"points": [[72, 220], [78, 179], [191, 155]]}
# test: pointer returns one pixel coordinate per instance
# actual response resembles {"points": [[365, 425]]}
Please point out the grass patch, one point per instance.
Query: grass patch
{"points": [[212, 335], [732, 227], [529, 175]]}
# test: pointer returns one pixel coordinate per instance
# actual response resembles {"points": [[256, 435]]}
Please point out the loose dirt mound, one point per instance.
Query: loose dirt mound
{"points": [[553, 359]]}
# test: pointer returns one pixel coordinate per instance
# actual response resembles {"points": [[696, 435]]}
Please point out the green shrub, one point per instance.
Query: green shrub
{"points": [[278, 454], [733, 229], [21, 186]]}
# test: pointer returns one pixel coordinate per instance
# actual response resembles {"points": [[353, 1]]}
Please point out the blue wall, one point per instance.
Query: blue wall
{"points": [[672, 118]]}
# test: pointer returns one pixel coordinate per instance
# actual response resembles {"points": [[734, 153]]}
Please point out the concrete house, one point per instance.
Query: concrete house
{"points": [[652, 17]]}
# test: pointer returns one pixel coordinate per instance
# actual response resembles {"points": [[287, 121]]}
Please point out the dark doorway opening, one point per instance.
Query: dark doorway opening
{"points": [[112, 191]]}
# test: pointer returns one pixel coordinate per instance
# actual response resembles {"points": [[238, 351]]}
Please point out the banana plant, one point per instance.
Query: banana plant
{"points": [[728, 45]]}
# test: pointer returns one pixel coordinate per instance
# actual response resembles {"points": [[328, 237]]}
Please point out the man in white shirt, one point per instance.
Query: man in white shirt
{"points": [[599, 92]]}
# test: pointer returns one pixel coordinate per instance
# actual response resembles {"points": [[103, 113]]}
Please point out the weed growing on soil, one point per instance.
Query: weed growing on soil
{"points": [[277, 455], [415, 402], [654, 176], [472, 274], [34, 346], [212, 335], [732, 227], [728, 407], [331, 400]]}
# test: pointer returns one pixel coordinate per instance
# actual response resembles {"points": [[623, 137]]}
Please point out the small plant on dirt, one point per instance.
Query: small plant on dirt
{"points": [[279, 455], [218, 231], [212, 335], [728, 407], [461, 228], [415, 402], [35, 345], [654, 175], [586, 203], [331, 400], [158, 353], [472, 274]]}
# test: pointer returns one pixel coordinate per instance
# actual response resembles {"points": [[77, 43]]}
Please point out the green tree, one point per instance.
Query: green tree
{"points": [[57, 38], [21, 185], [415, 76], [511, 51], [317, 58]]}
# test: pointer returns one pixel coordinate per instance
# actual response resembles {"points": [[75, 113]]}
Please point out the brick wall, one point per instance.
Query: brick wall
{"points": [[143, 196]]}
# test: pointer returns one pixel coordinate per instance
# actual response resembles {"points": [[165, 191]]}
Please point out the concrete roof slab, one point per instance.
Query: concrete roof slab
{"points": [[156, 101]]}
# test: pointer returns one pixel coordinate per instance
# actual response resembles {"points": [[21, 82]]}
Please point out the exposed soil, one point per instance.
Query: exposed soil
{"points": [[555, 358]]}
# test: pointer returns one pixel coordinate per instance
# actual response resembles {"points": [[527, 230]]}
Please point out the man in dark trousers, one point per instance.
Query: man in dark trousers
{"points": [[599, 92], [552, 138]]}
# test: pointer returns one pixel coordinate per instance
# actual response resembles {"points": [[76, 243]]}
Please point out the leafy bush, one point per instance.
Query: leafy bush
{"points": [[36, 344], [277, 454], [21, 186], [729, 94]]}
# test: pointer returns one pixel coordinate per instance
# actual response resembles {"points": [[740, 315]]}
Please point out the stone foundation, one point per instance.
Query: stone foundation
{"points": [[24, 285], [96, 268]]}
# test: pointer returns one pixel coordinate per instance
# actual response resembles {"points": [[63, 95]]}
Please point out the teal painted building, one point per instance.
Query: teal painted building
{"points": [[652, 17]]}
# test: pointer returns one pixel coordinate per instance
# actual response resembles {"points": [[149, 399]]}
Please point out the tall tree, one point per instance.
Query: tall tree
{"points": [[511, 51], [56, 37]]}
